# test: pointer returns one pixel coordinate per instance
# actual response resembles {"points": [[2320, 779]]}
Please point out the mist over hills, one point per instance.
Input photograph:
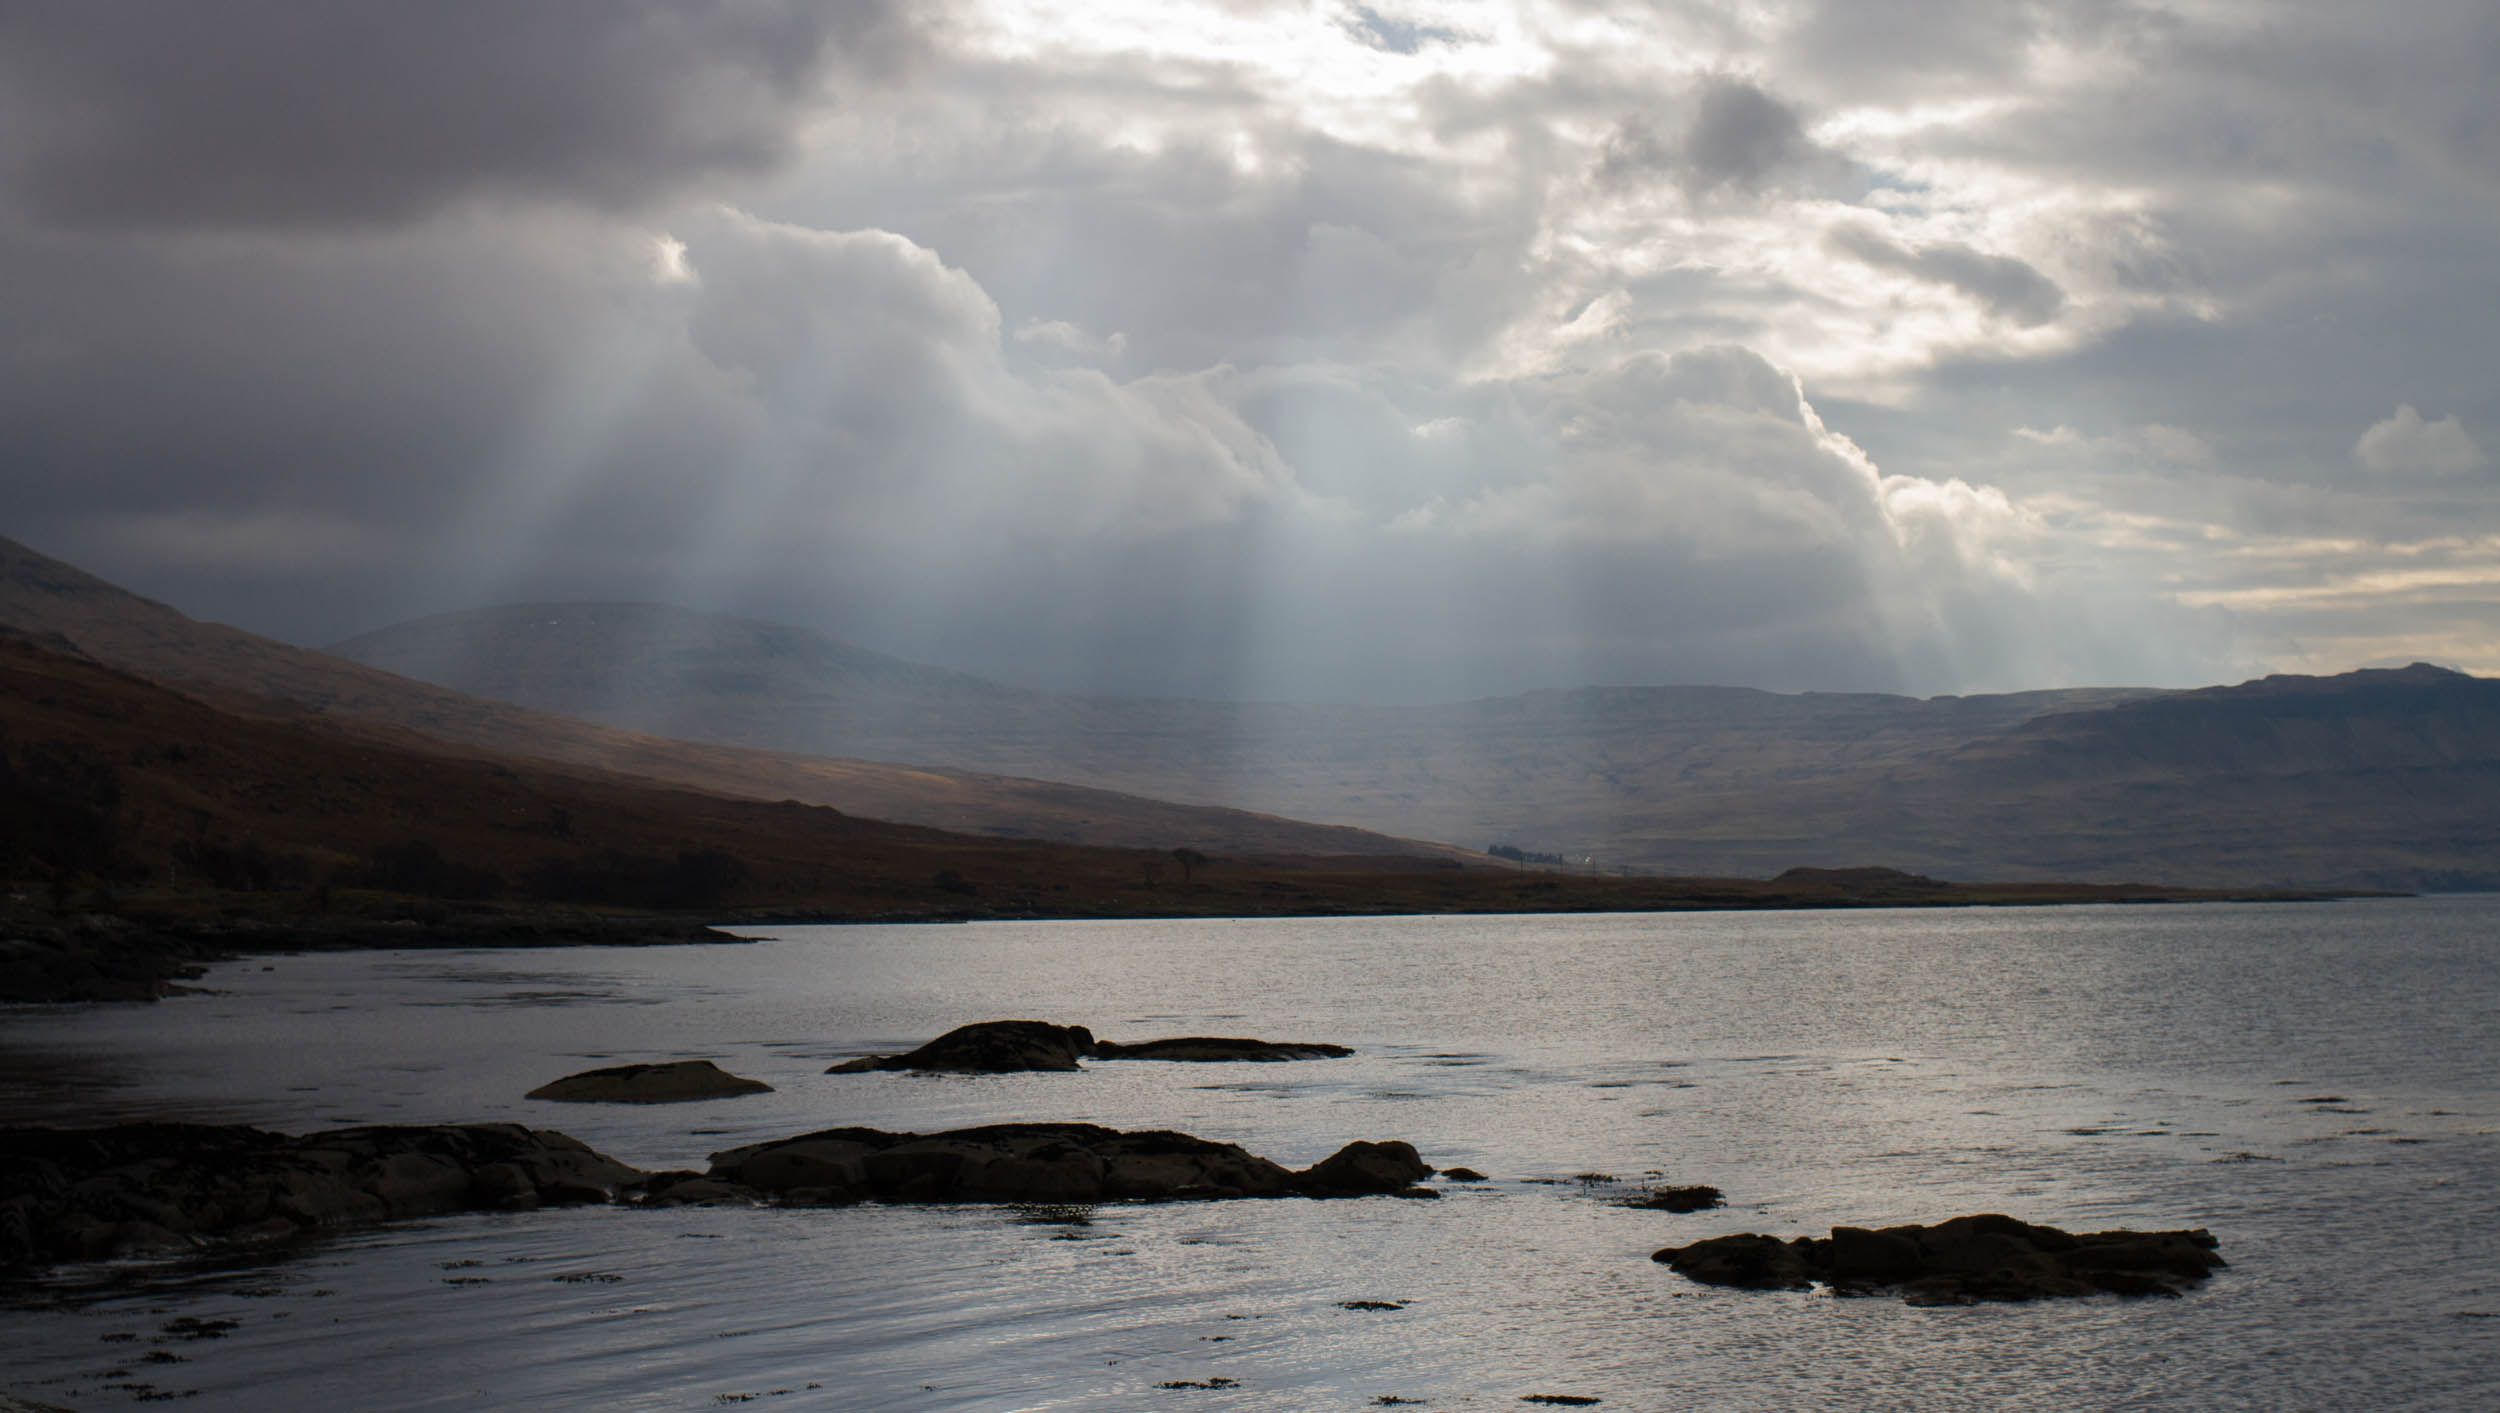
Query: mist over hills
{"points": [[2370, 779], [244, 672], [2374, 779]]}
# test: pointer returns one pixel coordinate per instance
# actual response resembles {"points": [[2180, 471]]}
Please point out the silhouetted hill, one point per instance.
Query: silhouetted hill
{"points": [[247, 673]]}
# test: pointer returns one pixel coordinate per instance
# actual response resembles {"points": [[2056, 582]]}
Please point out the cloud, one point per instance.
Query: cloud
{"points": [[270, 113], [1728, 329], [2008, 288], [2405, 445], [1391, 35], [1731, 135]]}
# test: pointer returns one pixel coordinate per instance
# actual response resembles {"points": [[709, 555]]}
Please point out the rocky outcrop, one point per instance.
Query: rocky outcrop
{"points": [[1958, 1262], [1211, 1048], [988, 1047], [1037, 1163], [82, 1193], [93, 957], [673, 1082], [1000, 1047]]}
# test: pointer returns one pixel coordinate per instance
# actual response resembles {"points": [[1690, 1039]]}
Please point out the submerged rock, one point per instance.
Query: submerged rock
{"points": [[988, 1047], [1218, 1048], [1958, 1262], [673, 1082], [1044, 1163], [80, 1193], [1700, 1197]]}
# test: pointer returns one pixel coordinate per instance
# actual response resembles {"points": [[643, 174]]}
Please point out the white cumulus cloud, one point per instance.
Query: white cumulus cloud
{"points": [[2405, 445]]}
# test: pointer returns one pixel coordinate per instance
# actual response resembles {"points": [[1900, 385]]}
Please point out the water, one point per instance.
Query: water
{"points": [[2314, 1083]]}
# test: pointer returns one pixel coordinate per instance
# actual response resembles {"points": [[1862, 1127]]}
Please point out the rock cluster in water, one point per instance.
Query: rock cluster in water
{"points": [[77, 1194], [1002, 1047], [673, 1082], [139, 1188], [1958, 1262], [1029, 1163]]}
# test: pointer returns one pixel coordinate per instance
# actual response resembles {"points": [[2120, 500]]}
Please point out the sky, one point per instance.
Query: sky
{"points": [[1310, 351]]}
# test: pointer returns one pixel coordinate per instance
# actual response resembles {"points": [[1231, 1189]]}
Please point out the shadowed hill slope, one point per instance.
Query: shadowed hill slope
{"points": [[255, 675], [1575, 770]]}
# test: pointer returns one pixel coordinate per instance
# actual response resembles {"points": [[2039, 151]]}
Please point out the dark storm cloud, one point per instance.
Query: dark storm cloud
{"points": [[2009, 288], [1212, 353], [1735, 135], [361, 112]]}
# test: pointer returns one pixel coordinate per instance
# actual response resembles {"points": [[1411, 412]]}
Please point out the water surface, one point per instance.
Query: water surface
{"points": [[2314, 1083]]}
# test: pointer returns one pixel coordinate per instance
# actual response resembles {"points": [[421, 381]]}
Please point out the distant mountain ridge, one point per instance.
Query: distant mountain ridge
{"points": [[2372, 779]]}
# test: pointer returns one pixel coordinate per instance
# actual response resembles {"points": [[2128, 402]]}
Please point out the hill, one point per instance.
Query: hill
{"points": [[247, 673], [2372, 779], [1572, 771], [164, 832]]}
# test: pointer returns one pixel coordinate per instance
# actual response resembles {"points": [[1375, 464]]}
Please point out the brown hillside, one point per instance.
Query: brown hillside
{"points": [[110, 778], [248, 673]]}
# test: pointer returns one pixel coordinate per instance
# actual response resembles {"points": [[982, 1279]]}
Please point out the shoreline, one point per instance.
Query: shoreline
{"points": [[146, 952]]}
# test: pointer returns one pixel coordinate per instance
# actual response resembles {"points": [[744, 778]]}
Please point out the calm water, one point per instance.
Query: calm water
{"points": [[2317, 1084]]}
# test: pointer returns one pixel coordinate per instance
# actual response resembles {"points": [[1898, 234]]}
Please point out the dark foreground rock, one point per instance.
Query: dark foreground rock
{"points": [[1034, 1163], [674, 1082], [1002, 1047], [77, 1194], [1959, 1262]]}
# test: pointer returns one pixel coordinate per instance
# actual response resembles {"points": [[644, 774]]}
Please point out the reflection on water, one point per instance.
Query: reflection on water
{"points": [[2313, 1083]]}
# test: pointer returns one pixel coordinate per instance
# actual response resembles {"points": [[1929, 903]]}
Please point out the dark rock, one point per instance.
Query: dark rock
{"points": [[999, 1047], [988, 1047], [1209, 1048], [82, 1193], [1042, 1163], [1747, 1262], [1958, 1262], [1462, 1175], [675, 1082], [1678, 1199], [1360, 1168]]}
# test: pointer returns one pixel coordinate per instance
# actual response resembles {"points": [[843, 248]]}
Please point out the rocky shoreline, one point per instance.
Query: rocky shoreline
{"points": [[111, 957], [165, 1188]]}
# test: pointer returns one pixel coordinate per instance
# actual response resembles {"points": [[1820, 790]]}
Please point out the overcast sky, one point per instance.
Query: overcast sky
{"points": [[1304, 350]]}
